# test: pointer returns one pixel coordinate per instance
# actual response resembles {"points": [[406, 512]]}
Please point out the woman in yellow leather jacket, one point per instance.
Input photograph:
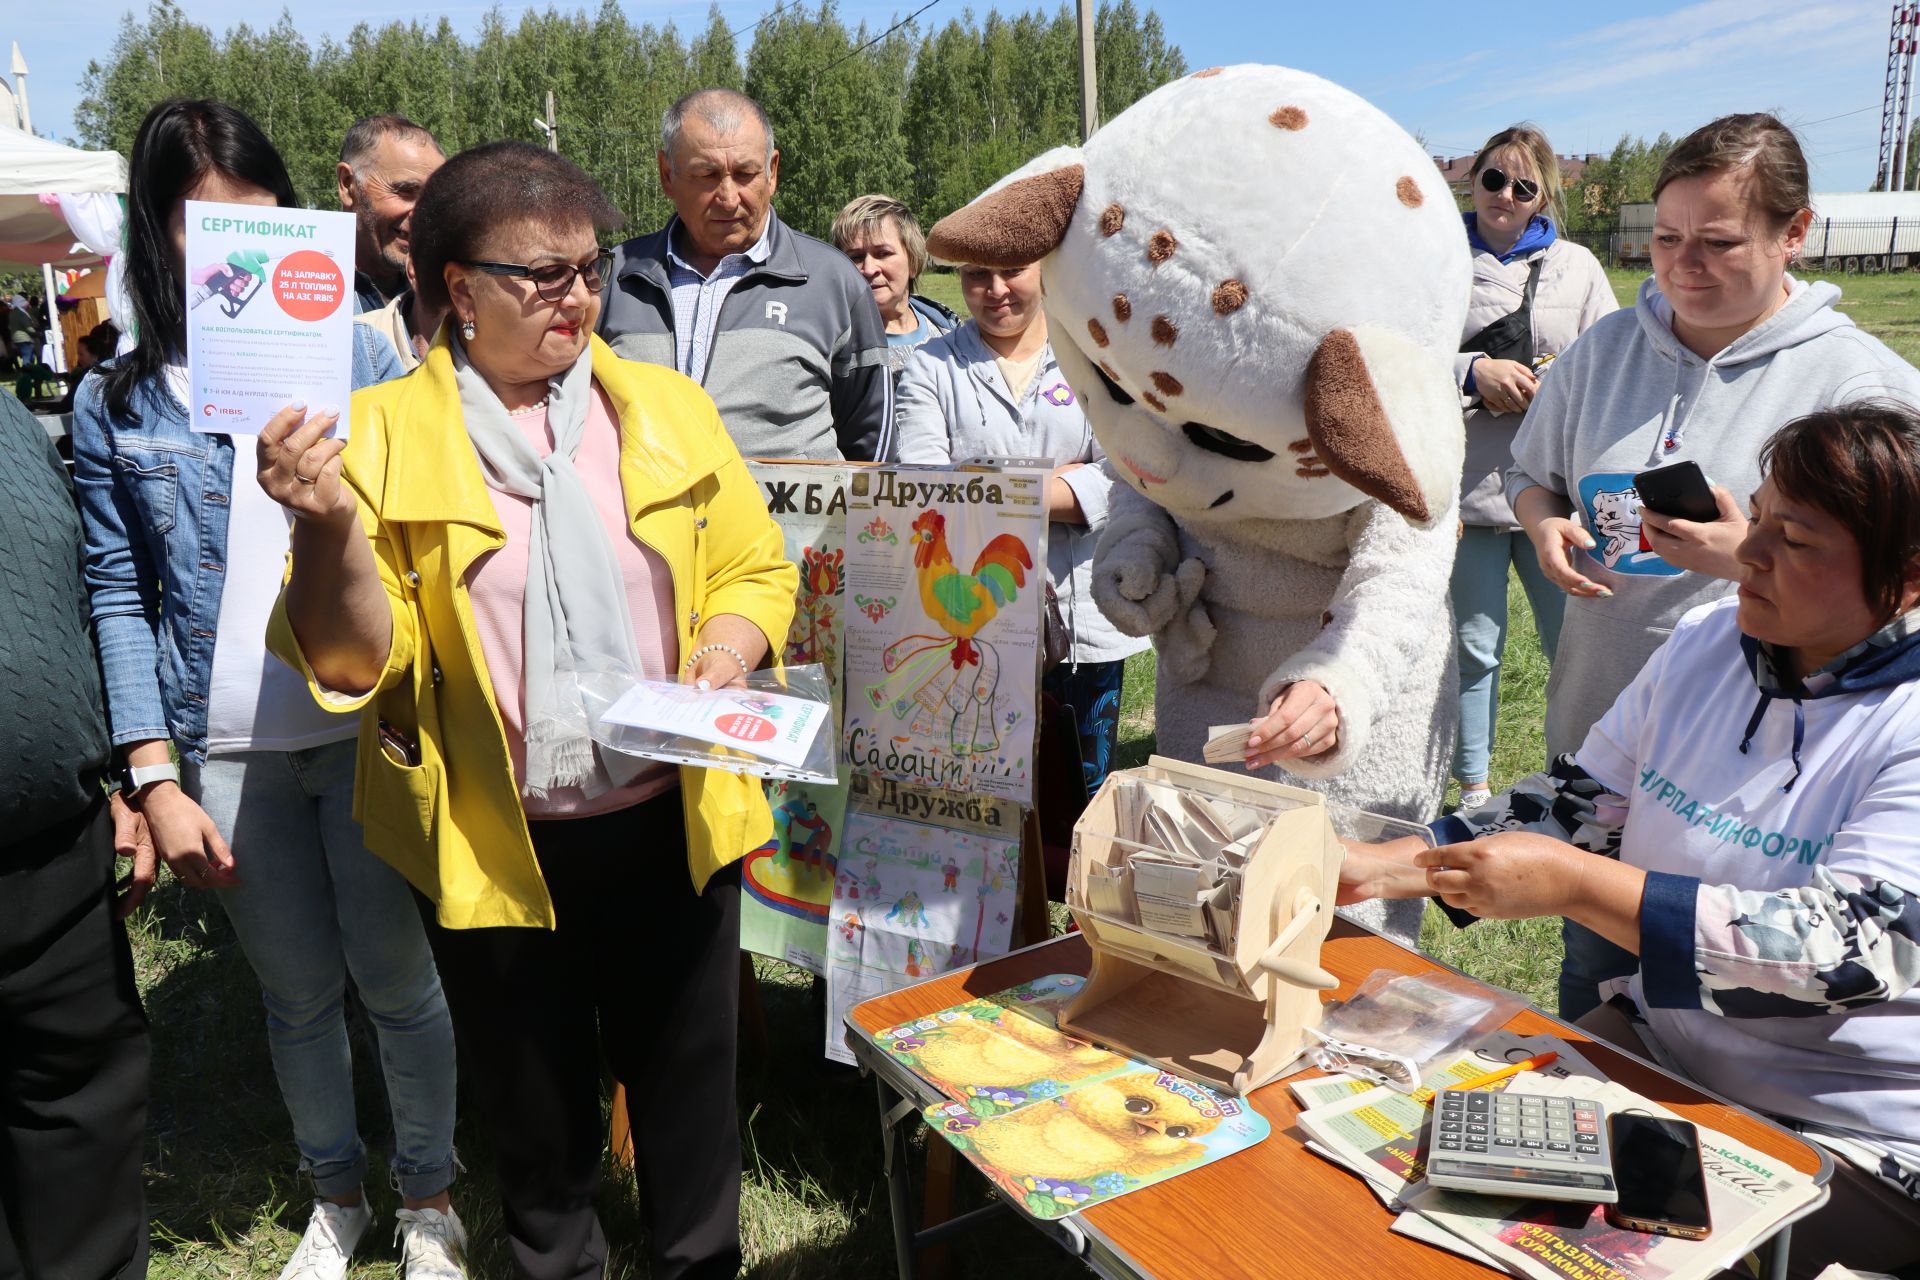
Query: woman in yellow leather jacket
{"points": [[524, 506]]}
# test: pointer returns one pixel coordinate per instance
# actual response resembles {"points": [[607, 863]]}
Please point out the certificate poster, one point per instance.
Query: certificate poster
{"points": [[926, 883], [269, 305], [946, 573]]}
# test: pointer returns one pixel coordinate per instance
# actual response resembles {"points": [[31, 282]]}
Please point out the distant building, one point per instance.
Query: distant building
{"points": [[1458, 170]]}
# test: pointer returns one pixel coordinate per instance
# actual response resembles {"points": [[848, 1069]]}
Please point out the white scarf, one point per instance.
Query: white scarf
{"points": [[575, 609]]}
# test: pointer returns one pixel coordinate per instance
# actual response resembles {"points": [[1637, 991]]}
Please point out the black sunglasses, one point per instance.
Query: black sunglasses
{"points": [[1494, 181], [553, 281]]}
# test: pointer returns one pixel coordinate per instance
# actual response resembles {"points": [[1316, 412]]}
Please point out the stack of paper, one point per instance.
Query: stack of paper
{"points": [[1381, 1135], [1749, 1195]]}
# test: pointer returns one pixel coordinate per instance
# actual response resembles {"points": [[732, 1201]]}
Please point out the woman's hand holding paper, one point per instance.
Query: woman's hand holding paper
{"points": [[299, 466]]}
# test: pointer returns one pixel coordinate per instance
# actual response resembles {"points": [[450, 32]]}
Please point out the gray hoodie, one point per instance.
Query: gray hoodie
{"points": [[953, 404], [1628, 396]]}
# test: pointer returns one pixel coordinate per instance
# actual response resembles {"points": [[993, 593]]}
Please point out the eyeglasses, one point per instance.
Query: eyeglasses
{"points": [[1494, 181], [553, 281]]}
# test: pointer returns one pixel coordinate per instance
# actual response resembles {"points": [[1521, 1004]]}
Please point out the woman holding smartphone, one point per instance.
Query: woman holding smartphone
{"points": [[182, 568], [1721, 345], [1744, 823]]}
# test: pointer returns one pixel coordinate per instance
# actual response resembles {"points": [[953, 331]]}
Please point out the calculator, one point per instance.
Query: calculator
{"points": [[1519, 1144]]}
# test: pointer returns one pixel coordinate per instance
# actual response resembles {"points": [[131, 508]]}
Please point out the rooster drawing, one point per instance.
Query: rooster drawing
{"points": [[960, 605]]}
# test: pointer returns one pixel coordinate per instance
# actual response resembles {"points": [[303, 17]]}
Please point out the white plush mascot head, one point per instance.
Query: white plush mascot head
{"points": [[1256, 280]]}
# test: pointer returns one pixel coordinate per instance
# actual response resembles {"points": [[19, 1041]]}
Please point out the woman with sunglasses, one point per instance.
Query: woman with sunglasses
{"points": [[1721, 346], [524, 507], [182, 566], [1533, 294]]}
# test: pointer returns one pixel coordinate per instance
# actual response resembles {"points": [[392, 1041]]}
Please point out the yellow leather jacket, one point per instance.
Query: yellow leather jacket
{"points": [[453, 824]]}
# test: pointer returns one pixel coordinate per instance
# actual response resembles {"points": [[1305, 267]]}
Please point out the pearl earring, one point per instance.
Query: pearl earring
{"points": [[466, 330]]}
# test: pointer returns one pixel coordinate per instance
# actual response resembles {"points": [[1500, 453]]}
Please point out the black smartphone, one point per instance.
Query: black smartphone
{"points": [[1656, 1165], [1681, 491]]}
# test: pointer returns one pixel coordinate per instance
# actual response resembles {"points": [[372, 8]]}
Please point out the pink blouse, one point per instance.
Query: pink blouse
{"points": [[498, 585]]}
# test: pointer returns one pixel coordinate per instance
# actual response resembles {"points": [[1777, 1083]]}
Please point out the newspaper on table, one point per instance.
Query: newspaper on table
{"points": [[1381, 1133], [1749, 1194]]}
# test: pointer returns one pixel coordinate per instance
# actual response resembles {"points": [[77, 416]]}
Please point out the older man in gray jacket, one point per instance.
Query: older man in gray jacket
{"points": [[776, 325]]}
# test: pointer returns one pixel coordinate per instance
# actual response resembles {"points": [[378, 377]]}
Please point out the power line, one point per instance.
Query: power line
{"points": [[763, 21], [882, 36], [1808, 124]]}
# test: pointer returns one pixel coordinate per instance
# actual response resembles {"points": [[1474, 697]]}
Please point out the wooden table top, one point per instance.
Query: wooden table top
{"points": [[1269, 1210]]}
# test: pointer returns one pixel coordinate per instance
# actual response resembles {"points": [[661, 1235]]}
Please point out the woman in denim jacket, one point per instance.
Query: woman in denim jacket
{"points": [[183, 566], [991, 388]]}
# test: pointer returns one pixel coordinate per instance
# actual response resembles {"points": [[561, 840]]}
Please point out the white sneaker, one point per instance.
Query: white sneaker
{"points": [[431, 1244], [332, 1234], [1471, 800]]}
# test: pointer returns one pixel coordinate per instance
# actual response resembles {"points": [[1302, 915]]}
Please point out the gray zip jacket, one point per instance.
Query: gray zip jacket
{"points": [[955, 405], [1626, 397], [798, 366]]}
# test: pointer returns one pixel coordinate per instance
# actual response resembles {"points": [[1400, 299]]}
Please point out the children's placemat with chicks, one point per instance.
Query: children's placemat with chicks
{"points": [[1054, 1121]]}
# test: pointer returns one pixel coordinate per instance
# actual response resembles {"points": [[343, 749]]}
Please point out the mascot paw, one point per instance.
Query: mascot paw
{"points": [[1140, 591], [1186, 646]]}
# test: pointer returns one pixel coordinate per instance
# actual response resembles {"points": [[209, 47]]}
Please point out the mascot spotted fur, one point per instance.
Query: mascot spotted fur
{"points": [[1257, 281]]}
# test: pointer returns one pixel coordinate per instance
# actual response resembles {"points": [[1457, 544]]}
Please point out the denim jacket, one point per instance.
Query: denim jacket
{"points": [[153, 506]]}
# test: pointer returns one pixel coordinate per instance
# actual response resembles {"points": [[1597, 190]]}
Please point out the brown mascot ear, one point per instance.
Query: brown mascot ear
{"points": [[1019, 224], [1350, 431]]}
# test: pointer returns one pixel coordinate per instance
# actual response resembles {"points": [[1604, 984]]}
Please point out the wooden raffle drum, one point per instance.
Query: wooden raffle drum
{"points": [[1232, 1019]]}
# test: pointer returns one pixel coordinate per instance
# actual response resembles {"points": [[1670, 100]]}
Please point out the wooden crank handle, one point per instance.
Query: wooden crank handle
{"points": [[1306, 910]]}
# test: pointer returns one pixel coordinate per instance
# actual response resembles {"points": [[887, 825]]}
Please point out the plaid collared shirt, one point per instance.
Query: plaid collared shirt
{"points": [[697, 300]]}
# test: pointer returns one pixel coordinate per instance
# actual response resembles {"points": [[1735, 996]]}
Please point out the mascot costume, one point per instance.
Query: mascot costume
{"points": [[1257, 282]]}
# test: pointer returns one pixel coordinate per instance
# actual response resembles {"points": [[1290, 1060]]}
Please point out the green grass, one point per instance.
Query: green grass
{"points": [[226, 1200]]}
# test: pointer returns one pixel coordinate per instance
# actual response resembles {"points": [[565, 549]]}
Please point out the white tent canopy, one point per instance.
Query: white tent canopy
{"points": [[32, 232]]}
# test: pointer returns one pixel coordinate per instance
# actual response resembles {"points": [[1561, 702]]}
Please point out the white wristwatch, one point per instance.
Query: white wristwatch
{"points": [[134, 777]]}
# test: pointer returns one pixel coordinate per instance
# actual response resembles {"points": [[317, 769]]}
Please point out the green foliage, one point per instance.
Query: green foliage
{"points": [[933, 117], [1626, 176]]}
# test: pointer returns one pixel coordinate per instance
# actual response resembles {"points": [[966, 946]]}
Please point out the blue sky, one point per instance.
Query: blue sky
{"points": [[1451, 73]]}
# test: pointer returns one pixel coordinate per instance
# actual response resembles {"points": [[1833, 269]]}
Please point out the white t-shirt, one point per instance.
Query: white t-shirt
{"points": [[1698, 806], [256, 702]]}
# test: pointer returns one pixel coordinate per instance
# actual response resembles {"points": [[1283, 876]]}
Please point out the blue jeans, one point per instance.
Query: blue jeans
{"points": [[312, 907], [1480, 630], [1588, 960]]}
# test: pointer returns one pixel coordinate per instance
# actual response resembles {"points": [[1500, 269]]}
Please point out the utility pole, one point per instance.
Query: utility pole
{"points": [[1089, 84], [20, 88], [549, 126]]}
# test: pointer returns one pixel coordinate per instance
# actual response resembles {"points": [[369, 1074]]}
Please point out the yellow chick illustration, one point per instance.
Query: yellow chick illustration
{"points": [[1124, 1126], [1014, 1051]]}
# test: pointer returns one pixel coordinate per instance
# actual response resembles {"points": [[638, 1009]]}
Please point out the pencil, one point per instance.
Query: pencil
{"points": [[1493, 1077]]}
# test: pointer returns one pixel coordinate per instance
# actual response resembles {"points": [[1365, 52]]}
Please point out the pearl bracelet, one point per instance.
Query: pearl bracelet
{"points": [[727, 649]]}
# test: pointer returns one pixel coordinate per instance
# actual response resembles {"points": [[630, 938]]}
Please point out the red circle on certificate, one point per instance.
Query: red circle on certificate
{"points": [[308, 285], [745, 727]]}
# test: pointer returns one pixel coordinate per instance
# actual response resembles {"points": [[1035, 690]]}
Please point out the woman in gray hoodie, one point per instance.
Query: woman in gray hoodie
{"points": [[991, 388], [1721, 348]]}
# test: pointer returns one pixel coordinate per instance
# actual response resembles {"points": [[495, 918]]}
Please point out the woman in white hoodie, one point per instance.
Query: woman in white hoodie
{"points": [[1721, 348], [1533, 294], [1746, 820]]}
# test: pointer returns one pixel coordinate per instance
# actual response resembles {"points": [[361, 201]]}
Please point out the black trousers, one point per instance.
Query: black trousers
{"points": [[73, 1062], [644, 975]]}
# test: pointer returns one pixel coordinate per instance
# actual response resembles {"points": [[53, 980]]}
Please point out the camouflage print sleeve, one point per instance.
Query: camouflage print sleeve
{"points": [[1566, 803], [1834, 945]]}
